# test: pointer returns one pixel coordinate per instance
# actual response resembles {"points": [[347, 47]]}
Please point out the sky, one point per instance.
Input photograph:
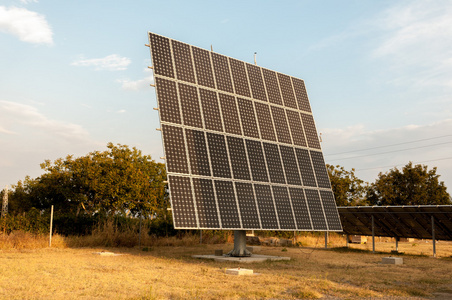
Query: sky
{"points": [[74, 76]]}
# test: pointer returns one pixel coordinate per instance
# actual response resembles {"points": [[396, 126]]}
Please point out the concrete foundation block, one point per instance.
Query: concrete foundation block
{"points": [[239, 271], [392, 261]]}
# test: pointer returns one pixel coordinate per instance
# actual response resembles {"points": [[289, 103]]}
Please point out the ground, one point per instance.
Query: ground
{"points": [[163, 272]]}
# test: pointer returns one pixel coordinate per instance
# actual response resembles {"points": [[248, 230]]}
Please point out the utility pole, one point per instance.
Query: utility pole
{"points": [[5, 202]]}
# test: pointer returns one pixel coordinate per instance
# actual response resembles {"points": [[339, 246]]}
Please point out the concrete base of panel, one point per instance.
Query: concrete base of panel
{"points": [[392, 260], [239, 271], [249, 259]]}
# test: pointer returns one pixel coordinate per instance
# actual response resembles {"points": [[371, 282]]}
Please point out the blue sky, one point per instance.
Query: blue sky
{"points": [[378, 73]]}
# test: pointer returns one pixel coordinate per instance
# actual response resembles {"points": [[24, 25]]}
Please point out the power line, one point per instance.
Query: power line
{"points": [[420, 162], [400, 150], [404, 143]]}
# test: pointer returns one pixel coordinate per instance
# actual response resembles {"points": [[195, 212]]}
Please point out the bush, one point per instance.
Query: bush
{"points": [[32, 221]]}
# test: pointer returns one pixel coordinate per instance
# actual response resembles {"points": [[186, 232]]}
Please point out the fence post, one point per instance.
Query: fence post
{"points": [[51, 226], [139, 238], [373, 234], [433, 237]]}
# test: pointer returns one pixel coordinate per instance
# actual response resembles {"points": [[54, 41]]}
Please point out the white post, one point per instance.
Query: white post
{"points": [[373, 234], [433, 237], [51, 226], [139, 237]]}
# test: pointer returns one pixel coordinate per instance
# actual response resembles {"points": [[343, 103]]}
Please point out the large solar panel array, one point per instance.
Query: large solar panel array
{"points": [[398, 221], [240, 142]]}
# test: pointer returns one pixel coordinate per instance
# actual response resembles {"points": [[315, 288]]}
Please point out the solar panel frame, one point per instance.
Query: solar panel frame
{"points": [[208, 68]]}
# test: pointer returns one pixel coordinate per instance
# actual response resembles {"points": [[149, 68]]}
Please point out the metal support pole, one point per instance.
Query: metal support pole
{"points": [[326, 239], [51, 226], [397, 243], [373, 234], [200, 236], [239, 244], [433, 237]]}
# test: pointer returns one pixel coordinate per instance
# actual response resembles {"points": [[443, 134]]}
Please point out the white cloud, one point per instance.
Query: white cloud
{"points": [[28, 1], [135, 85], [28, 137], [411, 39], [121, 111], [111, 62], [16, 116], [5, 131], [28, 26], [417, 39]]}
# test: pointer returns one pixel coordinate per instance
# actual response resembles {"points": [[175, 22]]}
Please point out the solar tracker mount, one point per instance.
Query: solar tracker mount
{"points": [[240, 143]]}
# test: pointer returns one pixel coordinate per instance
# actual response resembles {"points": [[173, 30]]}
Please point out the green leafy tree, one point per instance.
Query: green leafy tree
{"points": [[348, 189], [413, 185], [117, 181], [19, 200]]}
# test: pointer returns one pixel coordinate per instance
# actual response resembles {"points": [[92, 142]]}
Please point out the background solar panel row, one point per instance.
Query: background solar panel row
{"points": [[240, 142]]}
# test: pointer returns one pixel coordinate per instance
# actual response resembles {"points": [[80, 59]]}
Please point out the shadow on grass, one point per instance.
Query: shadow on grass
{"points": [[365, 251]]}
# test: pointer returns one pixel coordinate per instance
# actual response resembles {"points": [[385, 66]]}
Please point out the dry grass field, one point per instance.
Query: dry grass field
{"points": [[169, 272]]}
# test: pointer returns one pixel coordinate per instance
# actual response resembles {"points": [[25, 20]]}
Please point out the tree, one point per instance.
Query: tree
{"points": [[413, 185], [119, 180], [19, 196], [348, 189]]}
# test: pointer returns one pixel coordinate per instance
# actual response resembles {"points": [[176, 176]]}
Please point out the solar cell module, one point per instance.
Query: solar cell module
{"points": [[241, 146]]}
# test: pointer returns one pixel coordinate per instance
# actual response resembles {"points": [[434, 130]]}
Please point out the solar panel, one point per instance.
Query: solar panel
{"points": [[257, 160], [266, 206], [284, 207], [230, 114], [271, 84], [399, 221], [239, 162], [265, 121], [256, 82], [282, 129], [190, 105], [211, 110], [248, 118], [197, 152], [205, 203], [227, 204], [183, 61], [247, 205], [240, 142], [239, 76], [222, 73], [203, 67], [274, 163]]}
